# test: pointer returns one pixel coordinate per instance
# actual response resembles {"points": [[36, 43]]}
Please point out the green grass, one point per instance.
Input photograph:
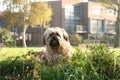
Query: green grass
{"points": [[13, 52], [94, 63], [115, 49]]}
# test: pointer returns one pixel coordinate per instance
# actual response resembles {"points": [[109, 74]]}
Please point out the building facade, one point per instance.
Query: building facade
{"points": [[88, 18], [71, 14], [97, 19]]}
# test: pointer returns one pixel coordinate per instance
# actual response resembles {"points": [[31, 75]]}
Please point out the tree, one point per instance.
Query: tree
{"points": [[4, 35], [12, 19], [27, 13], [42, 16], [115, 5]]}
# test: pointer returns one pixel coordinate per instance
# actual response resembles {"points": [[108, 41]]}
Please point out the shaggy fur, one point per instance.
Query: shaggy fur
{"points": [[57, 46]]}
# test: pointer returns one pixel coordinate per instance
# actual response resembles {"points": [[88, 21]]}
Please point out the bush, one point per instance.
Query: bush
{"points": [[17, 68], [75, 39], [105, 62], [11, 43], [98, 63], [4, 34]]}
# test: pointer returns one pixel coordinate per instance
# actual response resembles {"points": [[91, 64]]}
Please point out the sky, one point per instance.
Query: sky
{"points": [[85, 0], [2, 8]]}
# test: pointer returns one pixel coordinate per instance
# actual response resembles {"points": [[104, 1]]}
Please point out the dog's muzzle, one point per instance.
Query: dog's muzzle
{"points": [[54, 42]]}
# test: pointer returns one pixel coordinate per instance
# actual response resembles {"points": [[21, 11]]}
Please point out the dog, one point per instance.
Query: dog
{"points": [[58, 47]]}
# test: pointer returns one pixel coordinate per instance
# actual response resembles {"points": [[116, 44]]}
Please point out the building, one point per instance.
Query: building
{"points": [[57, 13], [88, 18], [71, 14], [97, 20]]}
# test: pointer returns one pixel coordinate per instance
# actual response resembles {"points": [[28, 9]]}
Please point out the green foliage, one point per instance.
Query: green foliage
{"points": [[13, 19], [4, 35], [13, 52], [97, 63], [20, 12], [106, 62], [20, 68], [75, 39], [26, 13], [40, 14], [10, 43]]}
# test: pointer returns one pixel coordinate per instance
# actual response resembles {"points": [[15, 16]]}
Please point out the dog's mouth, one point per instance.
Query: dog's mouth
{"points": [[54, 43]]}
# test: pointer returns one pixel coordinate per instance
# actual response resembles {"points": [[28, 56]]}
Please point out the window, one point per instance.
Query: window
{"points": [[111, 12], [96, 26], [72, 17], [110, 26]]}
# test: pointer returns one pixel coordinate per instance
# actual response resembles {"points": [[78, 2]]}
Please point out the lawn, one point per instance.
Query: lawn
{"points": [[93, 63], [13, 52]]}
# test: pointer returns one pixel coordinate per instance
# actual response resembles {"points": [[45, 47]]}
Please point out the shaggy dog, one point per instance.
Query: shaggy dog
{"points": [[57, 46]]}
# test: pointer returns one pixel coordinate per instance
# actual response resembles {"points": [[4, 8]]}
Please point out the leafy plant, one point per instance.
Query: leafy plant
{"points": [[10, 43], [75, 39], [105, 61], [97, 63], [4, 35]]}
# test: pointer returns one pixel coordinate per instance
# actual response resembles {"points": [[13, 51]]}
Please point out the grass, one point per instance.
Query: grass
{"points": [[13, 52], [94, 63]]}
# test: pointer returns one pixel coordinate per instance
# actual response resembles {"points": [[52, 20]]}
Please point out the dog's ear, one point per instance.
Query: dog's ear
{"points": [[65, 35]]}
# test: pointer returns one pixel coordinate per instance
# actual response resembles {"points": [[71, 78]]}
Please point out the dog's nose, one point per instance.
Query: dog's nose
{"points": [[54, 42], [53, 37]]}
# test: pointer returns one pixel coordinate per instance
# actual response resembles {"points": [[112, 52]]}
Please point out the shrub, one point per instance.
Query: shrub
{"points": [[97, 63], [75, 39], [10, 43], [105, 62], [4, 34], [17, 68]]}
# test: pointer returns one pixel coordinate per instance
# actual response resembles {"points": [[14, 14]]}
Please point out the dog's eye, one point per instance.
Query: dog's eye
{"points": [[57, 34], [51, 34]]}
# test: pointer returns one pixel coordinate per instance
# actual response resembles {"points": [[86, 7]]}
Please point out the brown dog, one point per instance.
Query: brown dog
{"points": [[57, 46]]}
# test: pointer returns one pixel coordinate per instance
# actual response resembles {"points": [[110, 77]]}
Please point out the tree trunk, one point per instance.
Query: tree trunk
{"points": [[24, 36], [117, 41]]}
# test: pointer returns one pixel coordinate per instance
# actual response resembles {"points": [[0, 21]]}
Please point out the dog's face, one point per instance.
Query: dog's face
{"points": [[53, 36]]}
